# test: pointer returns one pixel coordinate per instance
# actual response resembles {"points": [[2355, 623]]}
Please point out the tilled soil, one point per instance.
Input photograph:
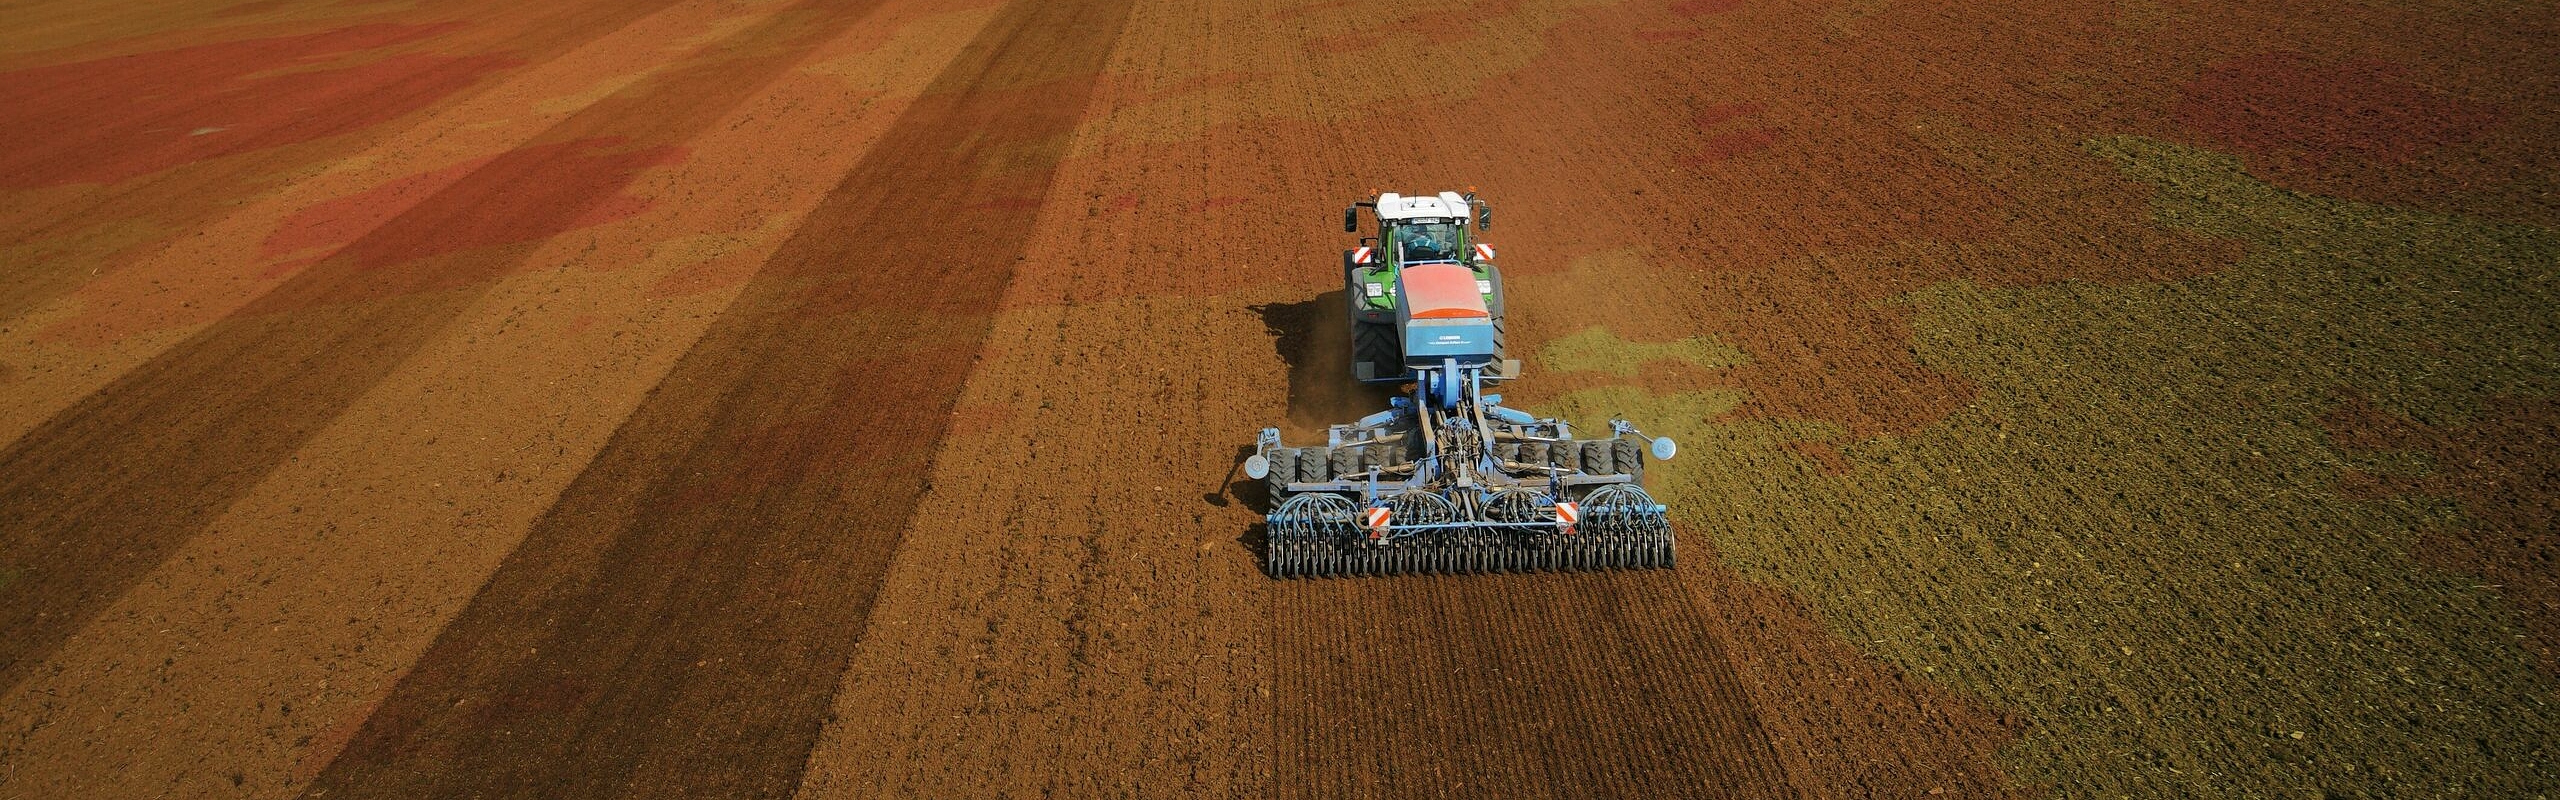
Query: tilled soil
{"points": [[844, 397]]}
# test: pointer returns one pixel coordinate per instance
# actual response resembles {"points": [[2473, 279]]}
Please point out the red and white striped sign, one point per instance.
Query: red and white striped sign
{"points": [[1567, 514], [1484, 251], [1376, 521], [1363, 255]]}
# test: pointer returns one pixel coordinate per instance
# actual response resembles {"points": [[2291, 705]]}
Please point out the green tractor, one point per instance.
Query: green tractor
{"points": [[1412, 231], [1447, 480]]}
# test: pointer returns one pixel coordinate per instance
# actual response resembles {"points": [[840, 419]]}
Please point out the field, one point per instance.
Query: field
{"points": [[843, 398]]}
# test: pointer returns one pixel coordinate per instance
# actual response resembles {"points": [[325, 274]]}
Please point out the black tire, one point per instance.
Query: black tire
{"points": [[1284, 468], [1598, 459], [1315, 464], [1629, 457], [1507, 451], [1346, 461], [1533, 453], [1377, 344]]}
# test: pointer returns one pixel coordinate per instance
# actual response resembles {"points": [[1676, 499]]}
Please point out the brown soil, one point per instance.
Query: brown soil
{"points": [[720, 686], [254, 88], [1844, 723], [177, 128], [843, 397], [258, 384], [240, 647], [2504, 470], [1615, 685]]}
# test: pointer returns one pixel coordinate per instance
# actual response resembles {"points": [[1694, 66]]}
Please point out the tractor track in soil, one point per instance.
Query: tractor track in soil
{"points": [[778, 462]]}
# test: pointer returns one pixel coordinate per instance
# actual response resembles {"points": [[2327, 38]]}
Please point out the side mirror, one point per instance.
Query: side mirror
{"points": [[1484, 219], [1350, 219]]}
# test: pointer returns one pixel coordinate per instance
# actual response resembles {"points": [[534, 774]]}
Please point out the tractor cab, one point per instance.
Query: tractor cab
{"points": [[1412, 231], [1425, 241]]}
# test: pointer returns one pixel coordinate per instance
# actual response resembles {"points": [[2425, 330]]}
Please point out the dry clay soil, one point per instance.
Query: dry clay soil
{"points": [[836, 398]]}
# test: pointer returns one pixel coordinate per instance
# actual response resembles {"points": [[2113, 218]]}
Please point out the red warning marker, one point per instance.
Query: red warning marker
{"points": [[1483, 251], [1567, 514], [1363, 255], [1376, 521]]}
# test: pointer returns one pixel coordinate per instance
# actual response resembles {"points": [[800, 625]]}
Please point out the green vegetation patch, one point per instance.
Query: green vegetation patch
{"points": [[2135, 540]]}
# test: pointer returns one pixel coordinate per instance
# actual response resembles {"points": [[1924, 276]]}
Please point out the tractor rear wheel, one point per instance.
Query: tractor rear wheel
{"points": [[1376, 345]]}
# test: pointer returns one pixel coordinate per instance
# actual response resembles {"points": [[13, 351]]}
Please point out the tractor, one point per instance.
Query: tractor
{"points": [[1446, 480]]}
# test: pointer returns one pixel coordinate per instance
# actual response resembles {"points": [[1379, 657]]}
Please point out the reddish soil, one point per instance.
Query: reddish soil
{"points": [[843, 397], [567, 179], [256, 385], [148, 112], [129, 152], [2284, 107]]}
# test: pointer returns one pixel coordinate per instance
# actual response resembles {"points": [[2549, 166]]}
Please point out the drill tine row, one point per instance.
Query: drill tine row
{"points": [[1603, 542]]}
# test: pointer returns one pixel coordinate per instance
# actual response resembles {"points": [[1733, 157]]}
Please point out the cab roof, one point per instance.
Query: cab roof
{"points": [[1447, 205]]}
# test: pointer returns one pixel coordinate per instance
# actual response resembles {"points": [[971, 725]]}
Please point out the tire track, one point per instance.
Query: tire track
{"points": [[677, 623], [1512, 686], [101, 493]]}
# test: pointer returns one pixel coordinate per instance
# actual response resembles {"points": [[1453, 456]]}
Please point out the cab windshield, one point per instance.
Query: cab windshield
{"points": [[1426, 240]]}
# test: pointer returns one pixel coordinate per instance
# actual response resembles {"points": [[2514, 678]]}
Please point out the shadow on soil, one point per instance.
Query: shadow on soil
{"points": [[1314, 337], [1254, 495], [1236, 485]]}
